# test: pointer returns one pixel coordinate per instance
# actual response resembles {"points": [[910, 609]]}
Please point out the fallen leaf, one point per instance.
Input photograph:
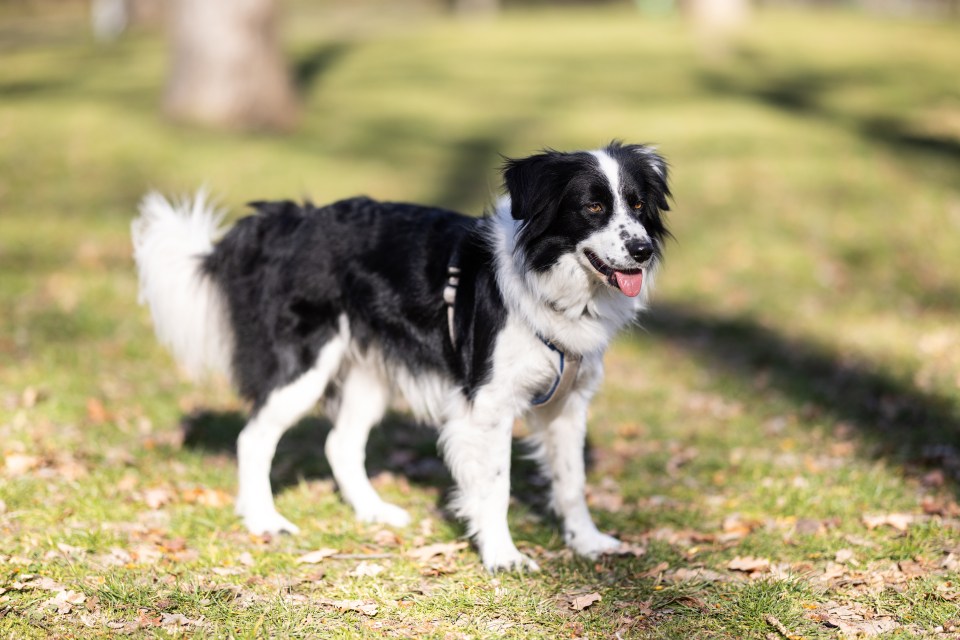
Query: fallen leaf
{"points": [[855, 620], [367, 569], [446, 549], [629, 549], [360, 606], [386, 537], [606, 496], [246, 559], [315, 557], [499, 625], [749, 564], [96, 412], [176, 620], [699, 574], [899, 521], [157, 497], [843, 556], [579, 603], [911, 569], [809, 527], [66, 600], [17, 464], [207, 497]]}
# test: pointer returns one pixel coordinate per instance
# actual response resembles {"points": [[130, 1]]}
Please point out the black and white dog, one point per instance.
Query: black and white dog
{"points": [[475, 321]]}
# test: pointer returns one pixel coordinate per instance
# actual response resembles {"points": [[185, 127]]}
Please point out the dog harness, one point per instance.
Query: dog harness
{"points": [[569, 364]]}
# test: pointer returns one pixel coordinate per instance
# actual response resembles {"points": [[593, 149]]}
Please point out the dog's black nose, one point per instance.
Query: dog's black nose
{"points": [[640, 250]]}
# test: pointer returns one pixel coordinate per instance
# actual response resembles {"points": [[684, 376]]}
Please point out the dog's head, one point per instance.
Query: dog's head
{"points": [[602, 207]]}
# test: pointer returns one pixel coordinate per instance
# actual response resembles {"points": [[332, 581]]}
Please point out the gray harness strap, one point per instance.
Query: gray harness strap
{"points": [[569, 364]]}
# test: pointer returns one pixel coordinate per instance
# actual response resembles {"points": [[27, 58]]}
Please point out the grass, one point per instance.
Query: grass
{"points": [[800, 369]]}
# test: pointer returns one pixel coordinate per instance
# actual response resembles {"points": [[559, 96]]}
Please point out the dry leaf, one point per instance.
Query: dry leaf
{"points": [[66, 600], [17, 464], [360, 606], [207, 497], [446, 549], [96, 412], [749, 564], [386, 537], [855, 620], [699, 574], [499, 625], [176, 620], [315, 557], [367, 569], [899, 521], [579, 603], [157, 497], [843, 556], [246, 559], [629, 549]]}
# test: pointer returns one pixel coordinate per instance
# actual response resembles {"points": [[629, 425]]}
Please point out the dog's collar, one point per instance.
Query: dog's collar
{"points": [[569, 364]]}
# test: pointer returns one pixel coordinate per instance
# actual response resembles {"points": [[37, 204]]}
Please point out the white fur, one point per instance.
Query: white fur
{"points": [[608, 243], [258, 440], [363, 400], [558, 437], [169, 243], [567, 304]]}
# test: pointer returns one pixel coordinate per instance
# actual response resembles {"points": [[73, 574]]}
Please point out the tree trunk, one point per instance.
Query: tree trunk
{"points": [[227, 69]]}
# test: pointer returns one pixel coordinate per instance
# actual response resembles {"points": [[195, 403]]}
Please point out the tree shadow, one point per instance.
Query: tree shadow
{"points": [[461, 185], [399, 445], [314, 64], [802, 93], [906, 424]]}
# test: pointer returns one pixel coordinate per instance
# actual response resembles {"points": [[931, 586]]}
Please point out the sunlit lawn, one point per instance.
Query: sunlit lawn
{"points": [[780, 435]]}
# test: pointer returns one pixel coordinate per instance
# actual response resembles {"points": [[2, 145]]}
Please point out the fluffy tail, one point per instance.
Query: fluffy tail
{"points": [[170, 241]]}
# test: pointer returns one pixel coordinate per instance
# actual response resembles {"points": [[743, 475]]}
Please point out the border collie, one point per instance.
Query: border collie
{"points": [[474, 321]]}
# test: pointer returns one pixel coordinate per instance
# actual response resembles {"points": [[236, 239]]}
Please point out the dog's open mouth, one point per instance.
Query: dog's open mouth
{"points": [[629, 281]]}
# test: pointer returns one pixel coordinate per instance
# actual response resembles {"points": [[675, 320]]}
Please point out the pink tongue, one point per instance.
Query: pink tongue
{"points": [[629, 283]]}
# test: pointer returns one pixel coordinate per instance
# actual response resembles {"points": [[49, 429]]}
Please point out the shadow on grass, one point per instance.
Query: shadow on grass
{"points": [[802, 93], [313, 65], [908, 425], [398, 446]]}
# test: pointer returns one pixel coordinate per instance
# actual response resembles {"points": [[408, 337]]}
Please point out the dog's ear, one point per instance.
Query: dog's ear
{"points": [[535, 185], [654, 168]]}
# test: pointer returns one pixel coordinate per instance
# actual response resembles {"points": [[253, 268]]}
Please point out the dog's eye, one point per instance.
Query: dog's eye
{"points": [[594, 207], [639, 205]]}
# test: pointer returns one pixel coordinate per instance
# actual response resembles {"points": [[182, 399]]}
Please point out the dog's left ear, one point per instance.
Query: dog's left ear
{"points": [[535, 185], [654, 168]]}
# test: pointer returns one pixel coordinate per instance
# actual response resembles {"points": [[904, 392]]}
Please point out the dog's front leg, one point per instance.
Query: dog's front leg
{"points": [[477, 451], [559, 435]]}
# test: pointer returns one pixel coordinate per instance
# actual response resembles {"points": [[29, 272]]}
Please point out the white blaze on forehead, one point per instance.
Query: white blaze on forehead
{"points": [[611, 170]]}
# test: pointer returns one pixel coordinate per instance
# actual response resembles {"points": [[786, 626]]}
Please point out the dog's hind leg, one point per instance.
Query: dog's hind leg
{"points": [[258, 440], [363, 401]]}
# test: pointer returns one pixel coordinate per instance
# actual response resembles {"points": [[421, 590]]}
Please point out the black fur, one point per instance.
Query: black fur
{"points": [[290, 271], [549, 192]]}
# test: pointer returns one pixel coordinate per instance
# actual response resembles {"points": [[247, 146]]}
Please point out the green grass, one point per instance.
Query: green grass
{"points": [[801, 367]]}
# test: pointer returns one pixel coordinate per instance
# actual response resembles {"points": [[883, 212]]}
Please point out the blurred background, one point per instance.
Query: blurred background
{"points": [[814, 146]]}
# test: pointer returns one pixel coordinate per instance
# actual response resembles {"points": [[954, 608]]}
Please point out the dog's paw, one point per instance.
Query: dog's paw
{"points": [[384, 513], [592, 544], [509, 560], [262, 522]]}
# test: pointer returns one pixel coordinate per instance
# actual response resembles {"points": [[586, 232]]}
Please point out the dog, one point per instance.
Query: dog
{"points": [[474, 321]]}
